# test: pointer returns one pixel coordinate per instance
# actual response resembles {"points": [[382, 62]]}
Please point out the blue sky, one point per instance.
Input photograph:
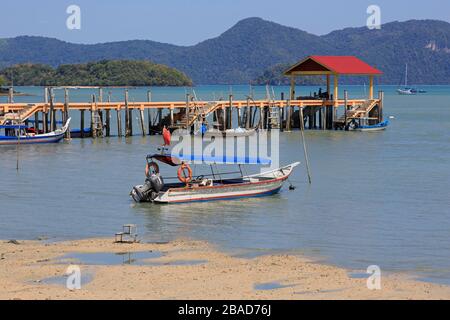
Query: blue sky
{"points": [[186, 22]]}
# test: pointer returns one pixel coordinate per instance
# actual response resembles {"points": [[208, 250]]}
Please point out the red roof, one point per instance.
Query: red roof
{"points": [[335, 64]]}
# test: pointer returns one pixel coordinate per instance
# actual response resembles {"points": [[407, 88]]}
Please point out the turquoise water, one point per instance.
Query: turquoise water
{"points": [[376, 198]]}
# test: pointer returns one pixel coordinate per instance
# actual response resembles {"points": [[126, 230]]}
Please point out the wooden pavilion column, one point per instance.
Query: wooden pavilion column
{"points": [[371, 87], [292, 93]]}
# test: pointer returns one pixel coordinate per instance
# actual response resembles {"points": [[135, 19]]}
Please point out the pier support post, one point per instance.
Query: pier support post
{"points": [[289, 117], [119, 122], [142, 120], [127, 116], [380, 106], [261, 116], [82, 123], [11, 95], [345, 109], [171, 116], [36, 122], [229, 112], [108, 122], [52, 112], [93, 127], [66, 111], [247, 115], [149, 112]]}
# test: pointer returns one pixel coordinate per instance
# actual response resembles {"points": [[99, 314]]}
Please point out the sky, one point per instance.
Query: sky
{"points": [[184, 22]]}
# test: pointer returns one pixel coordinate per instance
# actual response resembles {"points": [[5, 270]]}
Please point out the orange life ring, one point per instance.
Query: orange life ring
{"points": [[181, 173], [153, 165]]}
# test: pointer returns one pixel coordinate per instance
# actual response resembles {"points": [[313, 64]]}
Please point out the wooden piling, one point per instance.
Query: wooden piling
{"points": [[108, 123], [52, 111], [149, 112], [66, 112], [127, 116], [229, 112], [93, 126], [345, 108], [36, 122], [82, 123], [247, 115], [119, 122], [288, 116], [142, 120], [11, 95]]}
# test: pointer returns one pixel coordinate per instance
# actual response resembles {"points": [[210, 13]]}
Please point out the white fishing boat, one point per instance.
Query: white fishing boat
{"points": [[208, 187], [17, 134]]}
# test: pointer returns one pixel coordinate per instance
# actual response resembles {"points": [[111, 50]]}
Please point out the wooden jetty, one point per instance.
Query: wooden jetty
{"points": [[320, 111]]}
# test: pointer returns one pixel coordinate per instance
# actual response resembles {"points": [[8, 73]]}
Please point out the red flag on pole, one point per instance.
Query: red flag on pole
{"points": [[166, 136]]}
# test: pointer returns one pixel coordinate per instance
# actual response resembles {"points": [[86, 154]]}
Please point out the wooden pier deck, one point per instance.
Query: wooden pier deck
{"points": [[316, 113]]}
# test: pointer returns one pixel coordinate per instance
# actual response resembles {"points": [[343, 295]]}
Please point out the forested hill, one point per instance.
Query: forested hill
{"points": [[253, 45], [102, 73]]}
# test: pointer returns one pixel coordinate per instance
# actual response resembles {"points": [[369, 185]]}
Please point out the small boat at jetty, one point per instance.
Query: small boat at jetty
{"points": [[375, 127], [207, 187], [18, 134]]}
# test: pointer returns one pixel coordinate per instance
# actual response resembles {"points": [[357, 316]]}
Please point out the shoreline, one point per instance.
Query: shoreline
{"points": [[184, 269]]}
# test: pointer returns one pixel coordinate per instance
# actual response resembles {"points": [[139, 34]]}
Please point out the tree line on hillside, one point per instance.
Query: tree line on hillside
{"points": [[102, 73]]}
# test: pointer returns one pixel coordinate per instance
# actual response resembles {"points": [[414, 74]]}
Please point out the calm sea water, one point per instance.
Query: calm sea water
{"points": [[376, 198]]}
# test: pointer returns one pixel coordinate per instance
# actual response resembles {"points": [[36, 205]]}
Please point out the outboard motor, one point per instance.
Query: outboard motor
{"points": [[149, 190]]}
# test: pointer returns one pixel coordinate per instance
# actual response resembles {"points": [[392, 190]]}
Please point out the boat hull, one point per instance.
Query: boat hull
{"points": [[231, 192], [259, 185], [5, 140]]}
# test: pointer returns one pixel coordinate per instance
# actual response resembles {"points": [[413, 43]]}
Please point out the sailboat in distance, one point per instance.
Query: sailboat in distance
{"points": [[407, 90]]}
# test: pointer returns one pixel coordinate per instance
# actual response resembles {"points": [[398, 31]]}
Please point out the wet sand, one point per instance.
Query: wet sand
{"points": [[186, 269]]}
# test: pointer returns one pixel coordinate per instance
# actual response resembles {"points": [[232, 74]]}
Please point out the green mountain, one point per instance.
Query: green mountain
{"points": [[103, 73], [253, 46]]}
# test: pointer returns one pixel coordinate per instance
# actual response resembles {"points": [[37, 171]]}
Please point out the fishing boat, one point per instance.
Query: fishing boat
{"points": [[237, 132], [18, 134], [209, 187], [375, 127]]}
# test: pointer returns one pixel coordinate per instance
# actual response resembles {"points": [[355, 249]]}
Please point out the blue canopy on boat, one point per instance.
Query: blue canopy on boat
{"points": [[219, 159], [224, 159]]}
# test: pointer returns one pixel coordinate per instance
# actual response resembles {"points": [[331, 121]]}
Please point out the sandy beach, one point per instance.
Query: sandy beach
{"points": [[185, 269]]}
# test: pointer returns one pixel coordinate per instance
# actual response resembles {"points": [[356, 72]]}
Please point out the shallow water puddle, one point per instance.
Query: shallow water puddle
{"points": [[358, 275], [178, 263], [110, 258], [271, 286]]}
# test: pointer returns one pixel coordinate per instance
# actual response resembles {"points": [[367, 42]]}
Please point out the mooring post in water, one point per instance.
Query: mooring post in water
{"points": [[82, 123], [142, 120], [302, 127], [66, 111]]}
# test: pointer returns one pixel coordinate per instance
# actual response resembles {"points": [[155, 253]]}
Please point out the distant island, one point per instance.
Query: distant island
{"points": [[102, 73]]}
